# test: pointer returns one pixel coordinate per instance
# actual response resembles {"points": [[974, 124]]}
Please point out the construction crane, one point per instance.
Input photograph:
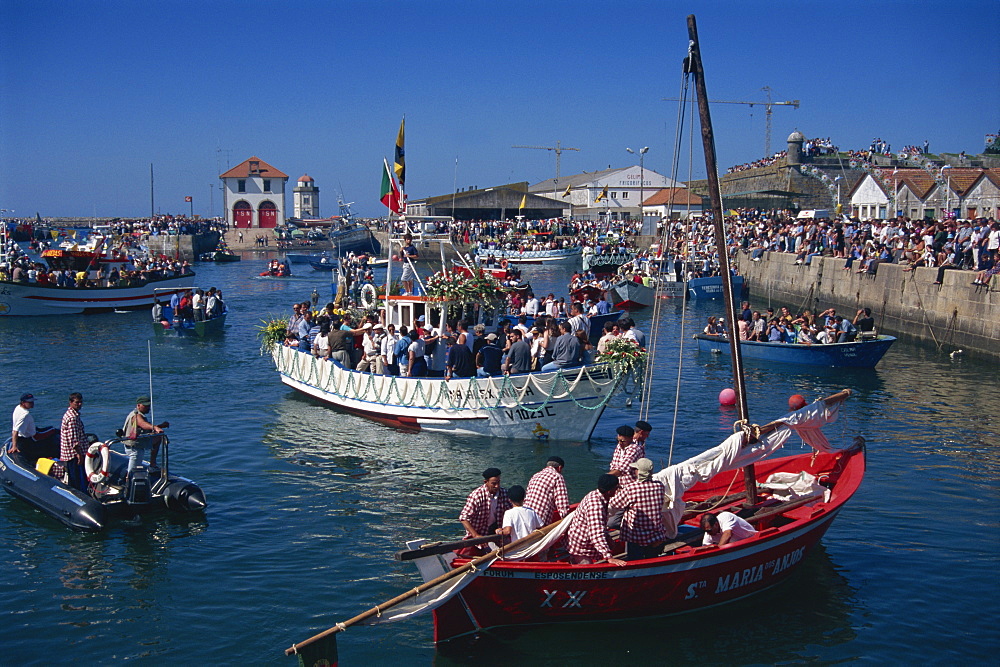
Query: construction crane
{"points": [[558, 148], [768, 107]]}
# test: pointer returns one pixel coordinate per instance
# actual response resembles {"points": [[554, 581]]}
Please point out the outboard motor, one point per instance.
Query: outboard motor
{"points": [[184, 496], [139, 491]]}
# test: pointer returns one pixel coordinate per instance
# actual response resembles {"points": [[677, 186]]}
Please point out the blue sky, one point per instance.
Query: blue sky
{"points": [[94, 91]]}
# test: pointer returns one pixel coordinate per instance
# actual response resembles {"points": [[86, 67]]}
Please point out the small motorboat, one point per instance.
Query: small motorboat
{"points": [[110, 493]]}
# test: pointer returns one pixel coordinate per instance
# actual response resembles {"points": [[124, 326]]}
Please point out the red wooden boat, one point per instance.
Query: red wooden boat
{"points": [[691, 577]]}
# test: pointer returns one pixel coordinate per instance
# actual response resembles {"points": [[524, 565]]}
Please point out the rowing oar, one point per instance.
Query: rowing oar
{"points": [[378, 609], [434, 548]]}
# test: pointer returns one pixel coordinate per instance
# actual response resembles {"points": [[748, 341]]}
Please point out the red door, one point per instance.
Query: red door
{"points": [[242, 214], [267, 215]]}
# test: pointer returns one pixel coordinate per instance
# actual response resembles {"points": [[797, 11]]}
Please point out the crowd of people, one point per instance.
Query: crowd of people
{"points": [[627, 498], [805, 328], [187, 307], [558, 338]]}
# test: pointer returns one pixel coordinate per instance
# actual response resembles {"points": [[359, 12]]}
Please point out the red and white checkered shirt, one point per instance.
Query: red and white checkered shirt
{"points": [[71, 435], [477, 509], [624, 457], [547, 495], [642, 522], [588, 531]]}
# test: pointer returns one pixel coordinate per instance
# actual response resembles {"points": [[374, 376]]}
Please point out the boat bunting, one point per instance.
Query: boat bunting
{"points": [[390, 191]]}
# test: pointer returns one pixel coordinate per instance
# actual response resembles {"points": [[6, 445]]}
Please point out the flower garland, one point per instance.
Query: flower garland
{"points": [[271, 333], [451, 286], [624, 355]]}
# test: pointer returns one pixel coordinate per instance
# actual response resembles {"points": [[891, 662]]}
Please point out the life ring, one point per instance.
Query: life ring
{"points": [[368, 296], [503, 263], [97, 471]]}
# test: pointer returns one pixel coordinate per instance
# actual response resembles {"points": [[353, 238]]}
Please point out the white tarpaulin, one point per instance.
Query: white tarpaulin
{"points": [[434, 597], [732, 455]]}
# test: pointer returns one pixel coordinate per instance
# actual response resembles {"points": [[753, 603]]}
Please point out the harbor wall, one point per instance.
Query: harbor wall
{"points": [[183, 246], [954, 315]]}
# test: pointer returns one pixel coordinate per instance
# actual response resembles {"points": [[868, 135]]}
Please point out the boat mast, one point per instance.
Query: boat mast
{"points": [[693, 66]]}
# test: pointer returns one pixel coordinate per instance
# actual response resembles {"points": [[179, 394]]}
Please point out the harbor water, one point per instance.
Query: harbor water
{"points": [[307, 505]]}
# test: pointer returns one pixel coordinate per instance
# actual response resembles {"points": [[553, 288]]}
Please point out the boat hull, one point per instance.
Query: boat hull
{"points": [[198, 329], [692, 578], [31, 299], [81, 511], [711, 288], [606, 263], [531, 406], [531, 256], [630, 295], [859, 354]]}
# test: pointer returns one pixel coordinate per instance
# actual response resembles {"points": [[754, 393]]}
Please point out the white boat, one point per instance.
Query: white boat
{"points": [[30, 299], [529, 256], [560, 405]]}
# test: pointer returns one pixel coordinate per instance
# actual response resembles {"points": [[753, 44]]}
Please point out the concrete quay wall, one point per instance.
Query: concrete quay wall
{"points": [[953, 315], [183, 246]]}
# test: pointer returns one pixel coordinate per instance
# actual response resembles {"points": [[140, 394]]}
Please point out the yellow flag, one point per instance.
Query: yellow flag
{"points": [[566, 194], [55, 233], [604, 193], [524, 200]]}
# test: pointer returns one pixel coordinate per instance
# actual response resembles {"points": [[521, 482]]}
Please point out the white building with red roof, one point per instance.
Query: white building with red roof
{"points": [[254, 195]]}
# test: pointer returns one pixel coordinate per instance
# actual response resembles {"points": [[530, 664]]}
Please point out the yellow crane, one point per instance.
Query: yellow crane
{"points": [[768, 110]]}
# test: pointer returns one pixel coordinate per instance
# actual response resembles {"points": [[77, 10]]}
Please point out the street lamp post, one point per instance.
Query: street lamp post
{"points": [[642, 179], [947, 192], [837, 181]]}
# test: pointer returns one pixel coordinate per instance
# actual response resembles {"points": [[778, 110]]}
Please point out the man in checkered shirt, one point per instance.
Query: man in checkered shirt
{"points": [[642, 431], [588, 531], [484, 508], [642, 521], [547, 493], [72, 441], [626, 453]]}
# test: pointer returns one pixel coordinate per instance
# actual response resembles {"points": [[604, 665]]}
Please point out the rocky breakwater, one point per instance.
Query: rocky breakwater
{"points": [[953, 315]]}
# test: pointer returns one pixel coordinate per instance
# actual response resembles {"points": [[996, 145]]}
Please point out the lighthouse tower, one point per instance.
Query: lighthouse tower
{"points": [[305, 198]]}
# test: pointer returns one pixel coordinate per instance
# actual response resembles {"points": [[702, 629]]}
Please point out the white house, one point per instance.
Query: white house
{"points": [[254, 194], [626, 188], [869, 200]]}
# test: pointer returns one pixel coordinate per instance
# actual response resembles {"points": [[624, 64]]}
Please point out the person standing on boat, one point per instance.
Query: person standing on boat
{"points": [[627, 326], [725, 528], [24, 437], [587, 536], [72, 442], [642, 431], [485, 506], [566, 351], [409, 255], [518, 355], [579, 320], [139, 434], [547, 493], [641, 503], [416, 364], [626, 453], [519, 521]]}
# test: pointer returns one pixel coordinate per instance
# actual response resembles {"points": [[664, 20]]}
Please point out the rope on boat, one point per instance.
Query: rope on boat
{"points": [[479, 394]]}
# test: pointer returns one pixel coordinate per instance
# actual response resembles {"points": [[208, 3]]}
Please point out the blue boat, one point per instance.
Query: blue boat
{"points": [[859, 354], [321, 265], [711, 288]]}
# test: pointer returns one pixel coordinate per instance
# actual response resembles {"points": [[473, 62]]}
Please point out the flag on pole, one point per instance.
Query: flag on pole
{"points": [[566, 194], [188, 198], [524, 201], [399, 165], [390, 192], [604, 193]]}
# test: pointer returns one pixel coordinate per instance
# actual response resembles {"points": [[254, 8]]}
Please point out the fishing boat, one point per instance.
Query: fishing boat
{"points": [[305, 257], [711, 287], [111, 493], [30, 299], [323, 264], [629, 295], [789, 513], [865, 352], [558, 405], [606, 263], [546, 256], [166, 322], [222, 253]]}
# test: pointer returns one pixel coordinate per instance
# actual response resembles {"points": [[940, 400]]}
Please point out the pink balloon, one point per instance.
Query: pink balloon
{"points": [[727, 397]]}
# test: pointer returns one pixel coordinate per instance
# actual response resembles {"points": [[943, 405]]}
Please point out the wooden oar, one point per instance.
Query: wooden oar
{"points": [[434, 548], [388, 604]]}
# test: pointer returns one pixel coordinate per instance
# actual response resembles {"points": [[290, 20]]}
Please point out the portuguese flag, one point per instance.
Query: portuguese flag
{"points": [[390, 193]]}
